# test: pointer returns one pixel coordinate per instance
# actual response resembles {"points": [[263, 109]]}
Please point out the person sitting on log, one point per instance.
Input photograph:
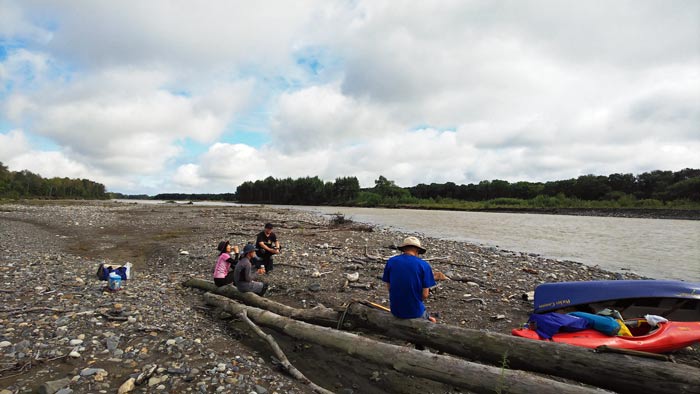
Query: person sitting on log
{"points": [[409, 279], [223, 274], [268, 245], [243, 275]]}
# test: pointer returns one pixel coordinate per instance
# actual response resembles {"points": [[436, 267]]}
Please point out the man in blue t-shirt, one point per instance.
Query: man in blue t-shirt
{"points": [[409, 279]]}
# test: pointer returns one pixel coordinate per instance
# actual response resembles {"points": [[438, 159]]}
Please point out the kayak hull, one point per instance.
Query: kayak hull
{"points": [[674, 300], [667, 337]]}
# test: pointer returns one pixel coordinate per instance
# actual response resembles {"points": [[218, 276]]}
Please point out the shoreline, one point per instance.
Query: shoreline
{"points": [[55, 306]]}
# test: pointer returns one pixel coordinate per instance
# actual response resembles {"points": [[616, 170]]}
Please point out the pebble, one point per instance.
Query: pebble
{"points": [[127, 386], [53, 386], [153, 320], [154, 381], [91, 371]]}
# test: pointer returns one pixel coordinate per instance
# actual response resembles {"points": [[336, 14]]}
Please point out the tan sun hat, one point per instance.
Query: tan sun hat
{"points": [[412, 241]]}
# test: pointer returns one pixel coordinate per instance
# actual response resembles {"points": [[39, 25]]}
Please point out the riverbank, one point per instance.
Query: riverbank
{"points": [[58, 321]]}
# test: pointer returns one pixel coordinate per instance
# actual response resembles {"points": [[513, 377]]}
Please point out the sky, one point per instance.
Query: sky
{"points": [[160, 96]]}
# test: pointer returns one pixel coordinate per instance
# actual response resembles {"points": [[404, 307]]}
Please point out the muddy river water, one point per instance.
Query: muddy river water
{"points": [[657, 248]]}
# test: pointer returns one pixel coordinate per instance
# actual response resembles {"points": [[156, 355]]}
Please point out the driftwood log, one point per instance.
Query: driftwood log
{"points": [[441, 368], [320, 315], [621, 373], [284, 361]]}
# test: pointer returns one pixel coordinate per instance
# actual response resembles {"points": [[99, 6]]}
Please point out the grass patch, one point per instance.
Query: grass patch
{"points": [[168, 235]]}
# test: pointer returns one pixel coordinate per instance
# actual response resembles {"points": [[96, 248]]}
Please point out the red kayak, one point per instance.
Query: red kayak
{"points": [[666, 337]]}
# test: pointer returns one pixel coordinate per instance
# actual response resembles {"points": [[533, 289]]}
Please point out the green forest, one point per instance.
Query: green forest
{"points": [[655, 189], [25, 184]]}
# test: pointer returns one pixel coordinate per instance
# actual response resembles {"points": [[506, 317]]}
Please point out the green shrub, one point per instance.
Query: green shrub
{"points": [[505, 202]]}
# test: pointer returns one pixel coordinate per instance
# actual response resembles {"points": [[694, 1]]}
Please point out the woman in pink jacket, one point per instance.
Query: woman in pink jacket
{"points": [[223, 272]]}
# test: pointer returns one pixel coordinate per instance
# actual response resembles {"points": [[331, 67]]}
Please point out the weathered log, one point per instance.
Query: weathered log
{"points": [[453, 371], [284, 361], [624, 374], [621, 373], [318, 315]]}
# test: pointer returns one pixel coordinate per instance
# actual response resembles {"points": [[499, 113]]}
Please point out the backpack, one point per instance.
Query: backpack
{"points": [[104, 270]]}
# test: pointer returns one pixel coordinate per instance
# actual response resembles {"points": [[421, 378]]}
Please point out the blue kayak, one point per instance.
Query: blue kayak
{"points": [[674, 299]]}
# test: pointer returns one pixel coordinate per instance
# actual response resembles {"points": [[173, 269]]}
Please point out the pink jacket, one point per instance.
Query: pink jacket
{"points": [[222, 266]]}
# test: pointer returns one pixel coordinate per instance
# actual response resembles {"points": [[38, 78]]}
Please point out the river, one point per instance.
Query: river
{"points": [[656, 248]]}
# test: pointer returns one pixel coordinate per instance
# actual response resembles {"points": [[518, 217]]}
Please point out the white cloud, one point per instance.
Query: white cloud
{"points": [[16, 26], [320, 116], [22, 67], [187, 177], [125, 120], [222, 168], [183, 35], [12, 144], [49, 165], [477, 90]]}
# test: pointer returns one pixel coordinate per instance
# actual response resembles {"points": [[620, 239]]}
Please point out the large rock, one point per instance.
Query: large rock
{"points": [[53, 386]]}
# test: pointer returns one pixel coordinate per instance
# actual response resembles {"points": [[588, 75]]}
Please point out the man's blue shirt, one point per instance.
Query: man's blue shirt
{"points": [[407, 277]]}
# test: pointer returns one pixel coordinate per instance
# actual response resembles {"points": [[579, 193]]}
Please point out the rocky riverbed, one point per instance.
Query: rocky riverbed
{"points": [[62, 331]]}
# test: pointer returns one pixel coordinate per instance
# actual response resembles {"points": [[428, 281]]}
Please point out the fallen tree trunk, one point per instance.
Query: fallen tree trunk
{"points": [[624, 374], [621, 373], [320, 315], [284, 361], [453, 371]]}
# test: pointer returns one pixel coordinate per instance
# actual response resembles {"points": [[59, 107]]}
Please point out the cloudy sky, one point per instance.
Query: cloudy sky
{"points": [[184, 96]]}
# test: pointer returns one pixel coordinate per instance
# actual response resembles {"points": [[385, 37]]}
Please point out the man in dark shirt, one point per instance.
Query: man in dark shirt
{"points": [[267, 245], [243, 275]]}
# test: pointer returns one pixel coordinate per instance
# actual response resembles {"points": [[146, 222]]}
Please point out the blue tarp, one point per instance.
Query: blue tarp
{"points": [[548, 324]]}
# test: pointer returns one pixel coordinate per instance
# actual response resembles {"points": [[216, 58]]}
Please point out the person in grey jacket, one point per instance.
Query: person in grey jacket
{"points": [[243, 273]]}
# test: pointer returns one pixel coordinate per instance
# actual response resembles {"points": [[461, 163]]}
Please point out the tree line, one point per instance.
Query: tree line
{"points": [[659, 185], [25, 184], [301, 191], [648, 189]]}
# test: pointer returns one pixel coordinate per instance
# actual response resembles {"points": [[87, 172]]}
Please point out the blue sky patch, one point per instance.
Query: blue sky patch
{"points": [[249, 138], [319, 63]]}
